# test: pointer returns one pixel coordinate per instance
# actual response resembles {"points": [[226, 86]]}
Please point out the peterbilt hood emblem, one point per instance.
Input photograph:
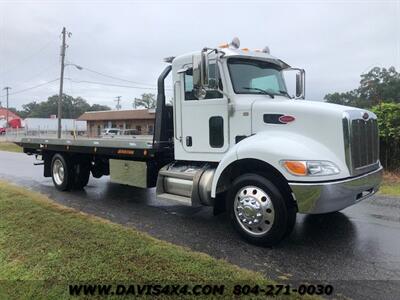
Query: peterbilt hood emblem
{"points": [[365, 116], [286, 119], [278, 118]]}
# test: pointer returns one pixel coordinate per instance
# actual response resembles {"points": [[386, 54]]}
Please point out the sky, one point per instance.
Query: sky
{"points": [[334, 41]]}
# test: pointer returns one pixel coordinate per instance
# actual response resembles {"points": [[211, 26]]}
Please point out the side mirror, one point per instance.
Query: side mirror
{"points": [[204, 68], [200, 74], [299, 86], [295, 82]]}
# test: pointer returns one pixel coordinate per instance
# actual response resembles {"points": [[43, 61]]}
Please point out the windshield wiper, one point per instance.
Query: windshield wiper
{"points": [[260, 90], [285, 93]]}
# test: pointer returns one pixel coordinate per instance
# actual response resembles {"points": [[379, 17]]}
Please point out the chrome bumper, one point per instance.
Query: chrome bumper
{"points": [[324, 197]]}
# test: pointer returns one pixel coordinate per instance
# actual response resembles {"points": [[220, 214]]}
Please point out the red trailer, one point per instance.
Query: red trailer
{"points": [[15, 123]]}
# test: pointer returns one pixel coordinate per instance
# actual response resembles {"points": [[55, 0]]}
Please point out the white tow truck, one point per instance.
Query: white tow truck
{"points": [[236, 140]]}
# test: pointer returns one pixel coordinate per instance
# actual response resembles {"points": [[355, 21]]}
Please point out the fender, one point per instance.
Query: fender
{"points": [[228, 158], [271, 147]]}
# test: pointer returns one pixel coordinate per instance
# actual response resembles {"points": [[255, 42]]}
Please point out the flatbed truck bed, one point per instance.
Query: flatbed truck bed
{"points": [[134, 160], [133, 148]]}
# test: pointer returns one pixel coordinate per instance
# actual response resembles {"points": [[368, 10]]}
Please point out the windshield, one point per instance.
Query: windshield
{"points": [[251, 76]]}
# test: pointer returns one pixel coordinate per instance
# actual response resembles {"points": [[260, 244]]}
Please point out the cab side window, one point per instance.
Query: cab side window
{"points": [[189, 89]]}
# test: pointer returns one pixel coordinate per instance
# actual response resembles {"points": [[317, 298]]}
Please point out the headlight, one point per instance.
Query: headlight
{"points": [[310, 167]]}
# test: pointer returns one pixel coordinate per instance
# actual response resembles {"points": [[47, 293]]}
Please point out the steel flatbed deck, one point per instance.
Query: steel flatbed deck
{"points": [[129, 148]]}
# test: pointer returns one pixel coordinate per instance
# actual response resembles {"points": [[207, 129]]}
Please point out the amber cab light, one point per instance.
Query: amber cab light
{"points": [[298, 168]]}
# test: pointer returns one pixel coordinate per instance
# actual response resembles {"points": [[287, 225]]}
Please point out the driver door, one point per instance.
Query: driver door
{"points": [[205, 121]]}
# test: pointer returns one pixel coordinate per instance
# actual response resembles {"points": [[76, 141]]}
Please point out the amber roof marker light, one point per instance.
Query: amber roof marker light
{"points": [[234, 44]]}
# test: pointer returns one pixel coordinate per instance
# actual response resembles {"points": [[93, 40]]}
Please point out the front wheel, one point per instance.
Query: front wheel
{"points": [[258, 210]]}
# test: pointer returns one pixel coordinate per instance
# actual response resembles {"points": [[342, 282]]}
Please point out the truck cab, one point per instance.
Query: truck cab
{"points": [[243, 144]]}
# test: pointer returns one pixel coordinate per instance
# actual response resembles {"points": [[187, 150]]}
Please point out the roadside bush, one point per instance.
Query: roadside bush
{"points": [[389, 134]]}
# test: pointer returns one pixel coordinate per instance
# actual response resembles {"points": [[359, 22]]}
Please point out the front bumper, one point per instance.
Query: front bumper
{"points": [[324, 197]]}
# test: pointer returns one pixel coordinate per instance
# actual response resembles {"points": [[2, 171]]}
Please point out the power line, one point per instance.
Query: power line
{"points": [[45, 70], [112, 84], [112, 76], [79, 81], [33, 87]]}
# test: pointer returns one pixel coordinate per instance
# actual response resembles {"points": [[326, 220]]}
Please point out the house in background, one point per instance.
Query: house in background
{"points": [[11, 115], [140, 119], [14, 121]]}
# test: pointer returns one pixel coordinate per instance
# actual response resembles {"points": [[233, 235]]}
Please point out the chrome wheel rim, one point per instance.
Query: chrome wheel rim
{"points": [[254, 210], [58, 172]]}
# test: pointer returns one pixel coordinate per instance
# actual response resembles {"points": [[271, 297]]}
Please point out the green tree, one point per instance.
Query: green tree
{"points": [[71, 107], [347, 98], [376, 85], [98, 107], [389, 133], [27, 109], [379, 84], [147, 100]]}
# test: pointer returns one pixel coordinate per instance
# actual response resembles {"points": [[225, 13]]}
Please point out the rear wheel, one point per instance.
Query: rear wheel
{"points": [[61, 172], [258, 210], [81, 175]]}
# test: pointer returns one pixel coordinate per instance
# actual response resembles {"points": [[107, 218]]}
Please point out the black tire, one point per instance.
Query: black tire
{"points": [[81, 175], [62, 183], [292, 213], [291, 207], [279, 219], [96, 173]]}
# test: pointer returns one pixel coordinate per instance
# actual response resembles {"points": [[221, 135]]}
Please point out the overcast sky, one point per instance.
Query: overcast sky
{"points": [[334, 41]]}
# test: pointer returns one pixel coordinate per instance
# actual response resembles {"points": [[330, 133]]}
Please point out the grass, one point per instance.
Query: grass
{"points": [[44, 247], [11, 147], [391, 184]]}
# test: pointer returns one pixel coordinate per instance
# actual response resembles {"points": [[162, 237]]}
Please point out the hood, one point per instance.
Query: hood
{"points": [[318, 124], [310, 117]]}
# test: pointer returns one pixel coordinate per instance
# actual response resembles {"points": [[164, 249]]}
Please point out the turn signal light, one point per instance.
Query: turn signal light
{"points": [[298, 168]]}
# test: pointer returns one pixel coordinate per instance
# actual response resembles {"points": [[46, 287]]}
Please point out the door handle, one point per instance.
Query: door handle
{"points": [[189, 141]]}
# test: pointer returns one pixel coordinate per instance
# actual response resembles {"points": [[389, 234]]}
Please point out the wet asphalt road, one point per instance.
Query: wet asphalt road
{"points": [[356, 250]]}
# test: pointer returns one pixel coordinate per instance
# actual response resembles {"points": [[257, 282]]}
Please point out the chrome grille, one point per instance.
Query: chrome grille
{"points": [[361, 142]]}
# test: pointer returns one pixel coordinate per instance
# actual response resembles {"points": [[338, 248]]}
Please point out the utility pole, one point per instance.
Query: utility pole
{"points": [[118, 100], [134, 103], [7, 88], [62, 54]]}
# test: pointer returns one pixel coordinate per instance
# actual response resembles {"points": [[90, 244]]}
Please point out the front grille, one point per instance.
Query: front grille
{"points": [[361, 142]]}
